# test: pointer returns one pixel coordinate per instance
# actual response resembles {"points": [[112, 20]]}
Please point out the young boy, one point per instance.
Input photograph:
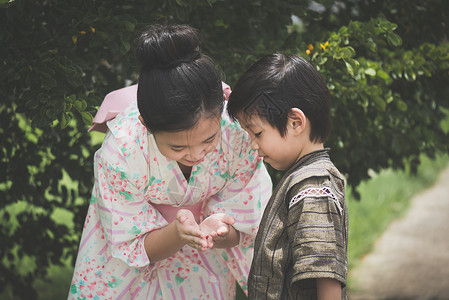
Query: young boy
{"points": [[301, 246]]}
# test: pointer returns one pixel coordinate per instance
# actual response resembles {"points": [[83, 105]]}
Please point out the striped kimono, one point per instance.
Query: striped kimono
{"points": [[303, 233], [133, 179]]}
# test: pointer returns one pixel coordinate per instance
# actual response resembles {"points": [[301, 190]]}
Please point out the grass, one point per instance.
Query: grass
{"points": [[384, 198]]}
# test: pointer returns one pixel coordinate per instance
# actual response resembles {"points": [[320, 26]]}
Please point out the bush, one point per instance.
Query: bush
{"points": [[385, 62]]}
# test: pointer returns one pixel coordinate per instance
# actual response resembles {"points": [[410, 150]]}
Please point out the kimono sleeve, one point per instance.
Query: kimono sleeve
{"points": [[247, 190], [244, 197], [316, 227], [119, 195]]}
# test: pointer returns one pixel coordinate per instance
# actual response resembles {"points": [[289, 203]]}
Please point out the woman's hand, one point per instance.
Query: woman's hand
{"points": [[189, 231], [216, 227]]}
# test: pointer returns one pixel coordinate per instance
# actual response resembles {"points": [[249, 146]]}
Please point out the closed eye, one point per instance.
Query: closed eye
{"points": [[177, 149], [210, 140], [258, 134]]}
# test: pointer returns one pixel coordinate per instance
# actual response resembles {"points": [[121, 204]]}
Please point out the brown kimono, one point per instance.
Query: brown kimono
{"points": [[303, 233]]}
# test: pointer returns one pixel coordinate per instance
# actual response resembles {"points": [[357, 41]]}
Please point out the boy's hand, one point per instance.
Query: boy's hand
{"points": [[189, 231], [216, 228]]}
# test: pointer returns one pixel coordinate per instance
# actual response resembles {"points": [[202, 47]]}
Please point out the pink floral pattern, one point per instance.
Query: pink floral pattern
{"points": [[130, 176]]}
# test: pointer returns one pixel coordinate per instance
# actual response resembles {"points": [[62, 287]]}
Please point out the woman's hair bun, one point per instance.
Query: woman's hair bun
{"points": [[165, 46]]}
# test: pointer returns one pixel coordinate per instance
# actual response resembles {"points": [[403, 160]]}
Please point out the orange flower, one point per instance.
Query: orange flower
{"points": [[308, 52], [310, 47], [74, 39], [92, 29], [324, 46]]}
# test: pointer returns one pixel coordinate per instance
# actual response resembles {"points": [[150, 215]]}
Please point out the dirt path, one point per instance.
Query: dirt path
{"points": [[411, 259]]}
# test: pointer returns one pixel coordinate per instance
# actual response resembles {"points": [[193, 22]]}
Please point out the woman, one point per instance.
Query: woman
{"points": [[178, 192]]}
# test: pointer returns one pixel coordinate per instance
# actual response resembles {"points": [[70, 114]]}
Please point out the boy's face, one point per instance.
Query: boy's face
{"points": [[280, 152]]}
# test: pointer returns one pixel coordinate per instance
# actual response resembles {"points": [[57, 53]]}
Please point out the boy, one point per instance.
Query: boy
{"points": [[301, 246]]}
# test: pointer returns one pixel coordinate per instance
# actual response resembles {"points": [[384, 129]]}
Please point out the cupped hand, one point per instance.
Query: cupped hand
{"points": [[189, 231], [216, 227]]}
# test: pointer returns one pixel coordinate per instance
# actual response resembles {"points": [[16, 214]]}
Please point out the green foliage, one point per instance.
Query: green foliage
{"points": [[385, 62], [375, 81]]}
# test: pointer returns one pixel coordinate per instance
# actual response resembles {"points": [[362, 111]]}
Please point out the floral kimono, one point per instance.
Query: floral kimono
{"points": [[135, 188]]}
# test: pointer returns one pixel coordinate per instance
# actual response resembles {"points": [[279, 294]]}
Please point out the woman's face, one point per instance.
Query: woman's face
{"points": [[189, 147]]}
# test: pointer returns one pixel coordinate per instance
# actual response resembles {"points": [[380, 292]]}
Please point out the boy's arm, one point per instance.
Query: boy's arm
{"points": [[328, 289], [319, 222]]}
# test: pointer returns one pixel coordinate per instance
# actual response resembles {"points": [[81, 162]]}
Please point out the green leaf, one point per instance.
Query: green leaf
{"points": [[427, 48], [354, 26], [80, 105], [371, 45], [349, 68], [387, 26], [401, 105], [394, 39], [67, 107], [370, 72], [380, 103], [323, 60], [383, 75], [71, 98], [343, 31], [87, 117], [65, 121], [390, 97], [347, 52]]}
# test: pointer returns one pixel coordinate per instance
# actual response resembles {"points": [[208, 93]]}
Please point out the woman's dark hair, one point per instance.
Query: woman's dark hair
{"points": [[178, 83], [274, 85]]}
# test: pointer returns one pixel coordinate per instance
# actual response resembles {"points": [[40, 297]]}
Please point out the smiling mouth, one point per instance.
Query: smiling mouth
{"points": [[193, 162]]}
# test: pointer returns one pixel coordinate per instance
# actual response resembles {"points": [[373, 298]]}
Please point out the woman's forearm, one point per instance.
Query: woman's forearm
{"points": [[162, 243]]}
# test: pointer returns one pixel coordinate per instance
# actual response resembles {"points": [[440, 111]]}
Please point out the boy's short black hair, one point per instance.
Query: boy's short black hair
{"points": [[274, 85]]}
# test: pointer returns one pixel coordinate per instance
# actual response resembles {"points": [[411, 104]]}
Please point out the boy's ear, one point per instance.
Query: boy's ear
{"points": [[297, 120], [143, 123]]}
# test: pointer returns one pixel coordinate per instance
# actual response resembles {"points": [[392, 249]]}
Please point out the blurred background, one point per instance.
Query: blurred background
{"points": [[386, 64]]}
